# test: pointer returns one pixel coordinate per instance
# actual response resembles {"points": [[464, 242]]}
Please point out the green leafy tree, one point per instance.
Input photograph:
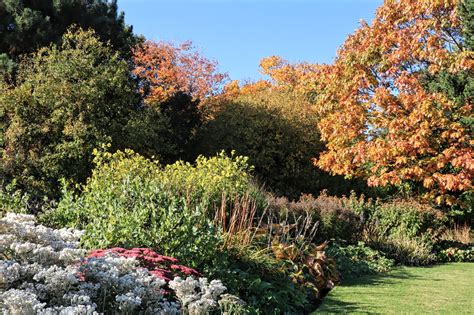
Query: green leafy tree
{"points": [[165, 129], [67, 100]]}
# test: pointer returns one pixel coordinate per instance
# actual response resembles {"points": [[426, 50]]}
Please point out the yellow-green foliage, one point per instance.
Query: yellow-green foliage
{"points": [[132, 201], [209, 178]]}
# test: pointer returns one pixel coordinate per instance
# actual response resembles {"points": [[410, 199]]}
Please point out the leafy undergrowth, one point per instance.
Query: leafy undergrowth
{"points": [[359, 260], [442, 289]]}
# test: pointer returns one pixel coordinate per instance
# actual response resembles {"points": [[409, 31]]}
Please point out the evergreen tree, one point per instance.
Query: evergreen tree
{"points": [[27, 25], [467, 17]]}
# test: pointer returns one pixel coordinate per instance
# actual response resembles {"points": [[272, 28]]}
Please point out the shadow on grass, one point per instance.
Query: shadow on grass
{"points": [[331, 303], [418, 290], [337, 307], [377, 279]]}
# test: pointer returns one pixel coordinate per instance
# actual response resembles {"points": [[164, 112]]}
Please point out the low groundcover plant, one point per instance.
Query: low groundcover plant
{"points": [[43, 271]]}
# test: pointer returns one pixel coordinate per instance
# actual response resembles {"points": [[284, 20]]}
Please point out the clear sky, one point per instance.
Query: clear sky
{"points": [[238, 33]]}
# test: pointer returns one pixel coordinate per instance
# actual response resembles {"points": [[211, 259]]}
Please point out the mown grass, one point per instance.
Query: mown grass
{"points": [[442, 289]]}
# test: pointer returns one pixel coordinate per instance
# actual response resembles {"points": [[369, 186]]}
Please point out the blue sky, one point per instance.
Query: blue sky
{"points": [[238, 33]]}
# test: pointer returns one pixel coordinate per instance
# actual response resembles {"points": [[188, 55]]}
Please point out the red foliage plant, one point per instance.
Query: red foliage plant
{"points": [[163, 267]]}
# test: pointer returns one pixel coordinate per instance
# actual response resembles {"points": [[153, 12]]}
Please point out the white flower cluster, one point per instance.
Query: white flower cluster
{"points": [[23, 240], [44, 272], [198, 296]]}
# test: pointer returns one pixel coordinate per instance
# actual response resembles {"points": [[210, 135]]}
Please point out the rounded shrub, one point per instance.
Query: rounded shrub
{"points": [[277, 131]]}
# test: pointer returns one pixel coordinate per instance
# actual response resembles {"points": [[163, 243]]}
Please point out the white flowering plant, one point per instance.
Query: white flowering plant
{"points": [[43, 271]]}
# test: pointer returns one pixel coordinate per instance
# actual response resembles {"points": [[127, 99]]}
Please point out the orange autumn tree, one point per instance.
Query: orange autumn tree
{"points": [[378, 120], [299, 77], [283, 77], [168, 69]]}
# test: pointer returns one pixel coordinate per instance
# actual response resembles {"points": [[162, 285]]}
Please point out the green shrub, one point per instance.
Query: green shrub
{"points": [[404, 250], [358, 260], [455, 254], [405, 218], [452, 251], [12, 199], [131, 201], [66, 100], [260, 280], [209, 178], [404, 230], [125, 203]]}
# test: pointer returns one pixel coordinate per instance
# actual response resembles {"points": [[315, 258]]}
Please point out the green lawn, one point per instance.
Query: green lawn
{"points": [[443, 289]]}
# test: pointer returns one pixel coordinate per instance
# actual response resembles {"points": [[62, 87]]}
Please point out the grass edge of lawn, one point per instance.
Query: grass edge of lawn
{"points": [[406, 290]]}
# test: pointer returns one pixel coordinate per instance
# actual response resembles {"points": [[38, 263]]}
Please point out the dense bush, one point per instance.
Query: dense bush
{"points": [[452, 251], [209, 178], [165, 129], [358, 260], [405, 230], [260, 280], [184, 116], [12, 200], [277, 132], [126, 203], [456, 254], [405, 218], [405, 251], [67, 100]]}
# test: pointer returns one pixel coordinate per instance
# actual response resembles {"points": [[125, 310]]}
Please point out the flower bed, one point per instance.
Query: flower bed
{"points": [[163, 267], [43, 271]]}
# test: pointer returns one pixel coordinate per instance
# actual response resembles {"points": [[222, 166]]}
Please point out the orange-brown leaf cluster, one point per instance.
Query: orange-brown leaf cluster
{"points": [[283, 77], [300, 77], [168, 69]]}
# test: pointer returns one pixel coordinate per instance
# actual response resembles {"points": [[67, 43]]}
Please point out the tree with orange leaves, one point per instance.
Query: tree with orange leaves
{"points": [[283, 77], [298, 77], [377, 116], [168, 69]]}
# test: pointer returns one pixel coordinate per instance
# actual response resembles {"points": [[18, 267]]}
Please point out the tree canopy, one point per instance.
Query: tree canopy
{"points": [[377, 116], [68, 99], [167, 69], [26, 26]]}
